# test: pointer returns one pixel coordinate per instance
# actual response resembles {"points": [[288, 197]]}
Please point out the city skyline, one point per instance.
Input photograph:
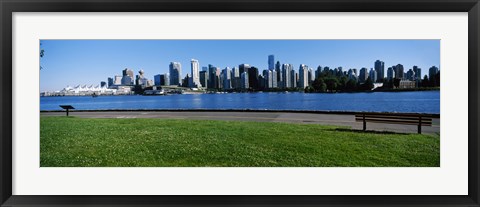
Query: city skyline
{"points": [[88, 62]]}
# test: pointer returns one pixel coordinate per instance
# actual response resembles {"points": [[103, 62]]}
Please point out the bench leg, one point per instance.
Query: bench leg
{"points": [[364, 126]]}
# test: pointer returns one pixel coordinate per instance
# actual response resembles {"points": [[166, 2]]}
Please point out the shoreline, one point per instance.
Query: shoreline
{"points": [[280, 91], [236, 110]]}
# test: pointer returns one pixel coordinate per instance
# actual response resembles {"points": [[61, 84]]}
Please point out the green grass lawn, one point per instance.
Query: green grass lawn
{"points": [[81, 142]]}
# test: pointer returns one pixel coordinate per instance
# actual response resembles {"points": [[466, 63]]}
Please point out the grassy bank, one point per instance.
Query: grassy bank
{"points": [[70, 141]]}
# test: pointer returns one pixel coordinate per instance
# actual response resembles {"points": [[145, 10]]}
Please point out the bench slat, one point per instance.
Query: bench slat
{"points": [[395, 117], [393, 120], [396, 122]]}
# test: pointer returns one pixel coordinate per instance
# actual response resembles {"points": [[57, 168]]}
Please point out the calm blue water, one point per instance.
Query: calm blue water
{"points": [[420, 101]]}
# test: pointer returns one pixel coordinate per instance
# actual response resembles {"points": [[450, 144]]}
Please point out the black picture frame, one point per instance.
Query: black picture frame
{"points": [[7, 7]]}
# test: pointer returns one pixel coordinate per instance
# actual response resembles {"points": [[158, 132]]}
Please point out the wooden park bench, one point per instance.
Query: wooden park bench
{"points": [[394, 118]]}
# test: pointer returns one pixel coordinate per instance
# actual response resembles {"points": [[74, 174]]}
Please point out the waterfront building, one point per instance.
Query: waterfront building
{"points": [[286, 70], [117, 80], [406, 84], [227, 78], [380, 69], [303, 76], [204, 78], [253, 77], [175, 70], [244, 80], [184, 82], [103, 84], [390, 73], [399, 71], [432, 72], [271, 62], [110, 81], [363, 75], [195, 79], [373, 75]]}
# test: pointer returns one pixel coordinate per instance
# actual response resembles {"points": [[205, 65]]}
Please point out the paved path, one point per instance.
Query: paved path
{"points": [[305, 118]]}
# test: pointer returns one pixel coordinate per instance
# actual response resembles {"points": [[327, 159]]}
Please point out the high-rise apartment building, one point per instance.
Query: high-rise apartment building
{"points": [[195, 77], [390, 73], [175, 73], [303, 76], [286, 73], [380, 69], [363, 75], [227, 78]]}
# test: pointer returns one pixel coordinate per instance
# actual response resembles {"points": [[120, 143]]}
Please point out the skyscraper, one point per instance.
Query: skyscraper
{"points": [[432, 72], [165, 79], [271, 62], [410, 75], [157, 80], [373, 75], [243, 68], [399, 71], [278, 71], [195, 77], [303, 76], [212, 76], [268, 78], [227, 78], [127, 72], [274, 79], [244, 80], [204, 78], [318, 72], [253, 77], [117, 80], [380, 69], [175, 73], [363, 75], [286, 70], [390, 73], [418, 72], [235, 77], [110, 81]]}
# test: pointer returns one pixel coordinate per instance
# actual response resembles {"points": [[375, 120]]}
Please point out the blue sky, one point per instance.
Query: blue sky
{"points": [[74, 62]]}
